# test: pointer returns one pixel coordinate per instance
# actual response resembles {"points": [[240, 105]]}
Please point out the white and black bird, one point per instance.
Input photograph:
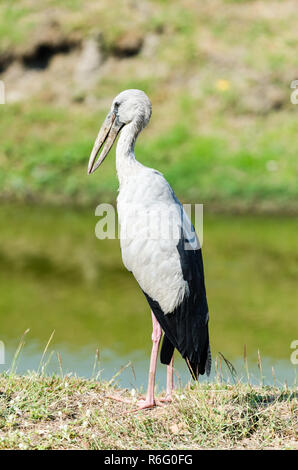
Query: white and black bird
{"points": [[158, 245]]}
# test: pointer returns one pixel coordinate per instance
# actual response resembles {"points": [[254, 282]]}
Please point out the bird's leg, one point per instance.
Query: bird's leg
{"points": [[169, 391], [149, 401]]}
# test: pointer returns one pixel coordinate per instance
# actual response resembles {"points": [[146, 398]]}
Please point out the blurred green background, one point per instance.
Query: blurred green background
{"points": [[223, 132]]}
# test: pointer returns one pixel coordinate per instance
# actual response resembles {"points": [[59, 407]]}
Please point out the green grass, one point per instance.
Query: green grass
{"points": [[223, 127], [11, 15], [45, 154], [39, 412]]}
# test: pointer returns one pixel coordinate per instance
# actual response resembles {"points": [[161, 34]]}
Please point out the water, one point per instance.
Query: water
{"points": [[55, 275]]}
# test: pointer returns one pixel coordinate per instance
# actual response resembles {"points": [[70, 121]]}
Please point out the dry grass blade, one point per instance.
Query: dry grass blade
{"points": [[133, 372], [230, 367], [119, 373], [260, 368], [246, 363], [218, 377], [60, 364], [96, 362], [45, 351], [13, 367]]}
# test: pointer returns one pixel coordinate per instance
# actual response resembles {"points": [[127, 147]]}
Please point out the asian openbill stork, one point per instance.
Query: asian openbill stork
{"points": [[158, 244]]}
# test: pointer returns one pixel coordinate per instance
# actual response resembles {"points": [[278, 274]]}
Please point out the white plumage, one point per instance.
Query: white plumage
{"points": [[150, 222]]}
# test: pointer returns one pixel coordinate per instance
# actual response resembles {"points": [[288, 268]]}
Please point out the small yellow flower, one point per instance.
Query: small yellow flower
{"points": [[222, 85]]}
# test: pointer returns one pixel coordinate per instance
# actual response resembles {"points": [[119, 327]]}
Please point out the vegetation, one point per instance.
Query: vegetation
{"points": [[41, 411], [38, 412], [223, 129]]}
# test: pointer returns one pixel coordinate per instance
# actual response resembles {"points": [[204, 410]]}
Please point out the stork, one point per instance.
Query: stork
{"points": [[158, 245]]}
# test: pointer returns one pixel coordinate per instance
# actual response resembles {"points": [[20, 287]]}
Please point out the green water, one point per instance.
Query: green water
{"points": [[56, 275]]}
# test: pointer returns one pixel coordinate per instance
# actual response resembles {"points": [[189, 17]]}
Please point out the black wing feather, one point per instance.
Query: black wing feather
{"points": [[186, 328]]}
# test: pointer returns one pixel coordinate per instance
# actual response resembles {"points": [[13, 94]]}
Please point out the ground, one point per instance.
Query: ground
{"points": [[38, 412]]}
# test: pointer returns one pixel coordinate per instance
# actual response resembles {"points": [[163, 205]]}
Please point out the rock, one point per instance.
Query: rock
{"points": [[128, 44]]}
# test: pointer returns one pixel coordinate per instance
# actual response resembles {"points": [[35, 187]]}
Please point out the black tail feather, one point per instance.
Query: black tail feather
{"points": [[167, 351], [195, 368], [199, 367]]}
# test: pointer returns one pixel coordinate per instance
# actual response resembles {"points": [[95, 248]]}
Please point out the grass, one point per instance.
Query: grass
{"points": [[223, 127], [39, 412], [45, 153]]}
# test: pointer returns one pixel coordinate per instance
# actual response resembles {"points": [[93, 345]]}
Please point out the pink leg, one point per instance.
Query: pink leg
{"points": [[149, 401], [169, 392]]}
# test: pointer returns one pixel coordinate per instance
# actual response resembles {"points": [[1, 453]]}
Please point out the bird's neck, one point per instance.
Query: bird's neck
{"points": [[125, 156]]}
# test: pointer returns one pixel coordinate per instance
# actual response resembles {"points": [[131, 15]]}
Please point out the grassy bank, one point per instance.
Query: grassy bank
{"points": [[45, 153], [223, 128], [71, 413]]}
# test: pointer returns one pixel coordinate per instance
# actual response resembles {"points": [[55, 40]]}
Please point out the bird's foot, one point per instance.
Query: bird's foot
{"points": [[145, 404], [119, 398], [167, 399]]}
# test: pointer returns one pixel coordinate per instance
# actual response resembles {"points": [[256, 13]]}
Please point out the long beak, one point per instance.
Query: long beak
{"points": [[107, 135]]}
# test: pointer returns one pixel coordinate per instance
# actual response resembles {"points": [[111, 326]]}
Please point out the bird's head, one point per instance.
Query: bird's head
{"points": [[129, 108]]}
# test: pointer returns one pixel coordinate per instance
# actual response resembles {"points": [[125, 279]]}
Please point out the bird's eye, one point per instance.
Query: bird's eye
{"points": [[116, 105]]}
